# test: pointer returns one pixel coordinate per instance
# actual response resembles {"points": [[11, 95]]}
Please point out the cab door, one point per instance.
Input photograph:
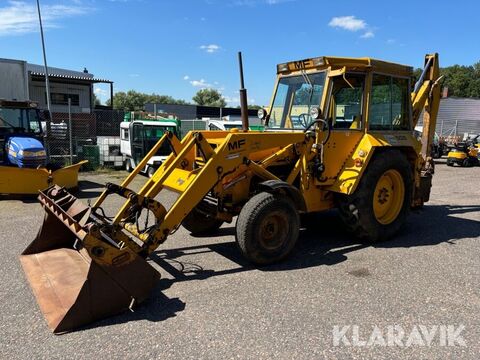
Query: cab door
{"points": [[138, 142], [346, 116]]}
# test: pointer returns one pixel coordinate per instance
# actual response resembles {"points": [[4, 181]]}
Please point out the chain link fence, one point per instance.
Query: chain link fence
{"points": [[95, 136]]}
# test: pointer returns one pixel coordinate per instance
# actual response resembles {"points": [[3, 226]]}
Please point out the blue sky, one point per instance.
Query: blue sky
{"points": [[178, 47]]}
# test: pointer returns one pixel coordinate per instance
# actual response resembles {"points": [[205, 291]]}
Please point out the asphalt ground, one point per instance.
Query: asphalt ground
{"points": [[211, 304]]}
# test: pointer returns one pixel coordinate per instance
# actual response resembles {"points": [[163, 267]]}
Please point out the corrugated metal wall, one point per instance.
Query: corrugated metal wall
{"points": [[37, 93], [458, 115], [13, 80]]}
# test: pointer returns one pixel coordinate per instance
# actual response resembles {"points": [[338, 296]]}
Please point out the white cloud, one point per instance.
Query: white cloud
{"points": [[210, 48], [391, 41], [258, 2], [235, 100], [350, 23], [368, 35], [134, 75], [100, 91], [20, 17], [200, 83], [275, 2], [186, 77]]}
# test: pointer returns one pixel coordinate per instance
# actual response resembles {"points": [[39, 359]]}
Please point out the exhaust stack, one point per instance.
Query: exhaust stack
{"points": [[243, 96]]}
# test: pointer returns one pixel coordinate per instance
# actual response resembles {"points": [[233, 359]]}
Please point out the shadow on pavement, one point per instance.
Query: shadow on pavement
{"points": [[157, 307], [324, 241], [88, 189]]}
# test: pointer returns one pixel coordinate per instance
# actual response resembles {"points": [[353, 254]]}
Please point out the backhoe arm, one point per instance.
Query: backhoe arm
{"points": [[426, 96]]}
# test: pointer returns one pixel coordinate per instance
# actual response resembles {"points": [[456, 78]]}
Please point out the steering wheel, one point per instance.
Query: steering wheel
{"points": [[325, 126], [302, 118]]}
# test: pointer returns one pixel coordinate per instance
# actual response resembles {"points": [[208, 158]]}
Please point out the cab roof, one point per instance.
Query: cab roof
{"points": [[359, 64], [15, 104]]}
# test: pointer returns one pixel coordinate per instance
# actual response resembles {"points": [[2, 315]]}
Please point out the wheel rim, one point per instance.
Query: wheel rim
{"points": [[274, 230], [388, 197]]}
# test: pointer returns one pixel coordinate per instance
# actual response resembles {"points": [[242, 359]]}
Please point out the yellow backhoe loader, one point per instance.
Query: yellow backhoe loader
{"points": [[338, 134]]}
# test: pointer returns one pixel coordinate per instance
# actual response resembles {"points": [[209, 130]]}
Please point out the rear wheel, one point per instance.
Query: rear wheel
{"points": [[198, 222], [267, 228], [379, 206]]}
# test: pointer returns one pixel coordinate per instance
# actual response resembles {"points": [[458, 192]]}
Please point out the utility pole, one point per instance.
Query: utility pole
{"points": [[47, 83]]}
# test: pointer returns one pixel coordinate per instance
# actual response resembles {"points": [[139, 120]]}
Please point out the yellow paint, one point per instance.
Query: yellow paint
{"points": [[388, 197], [24, 181], [457, 155]]}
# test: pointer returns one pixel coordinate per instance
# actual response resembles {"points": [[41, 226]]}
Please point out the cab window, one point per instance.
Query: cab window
{"points": [[390, 104], [346, 103]]}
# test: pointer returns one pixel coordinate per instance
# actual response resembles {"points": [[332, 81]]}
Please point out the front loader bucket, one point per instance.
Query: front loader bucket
{"points": [[71, 288]]}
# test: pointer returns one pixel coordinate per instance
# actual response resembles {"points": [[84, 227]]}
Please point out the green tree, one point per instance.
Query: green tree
{"points": [[461, 80], [135, 101], [209, 97]]}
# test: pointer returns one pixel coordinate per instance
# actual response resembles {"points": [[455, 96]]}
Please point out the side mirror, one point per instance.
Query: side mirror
{"points": [[263, 115]]}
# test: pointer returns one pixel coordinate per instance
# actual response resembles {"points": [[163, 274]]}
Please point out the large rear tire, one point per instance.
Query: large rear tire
{"points": [[379, 206], [267, 228], [197, 222]]}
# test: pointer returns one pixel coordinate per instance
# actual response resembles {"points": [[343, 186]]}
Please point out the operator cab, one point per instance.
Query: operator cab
{"points": [[137, 137], [322, 87], [20, 134], [337, 100]]}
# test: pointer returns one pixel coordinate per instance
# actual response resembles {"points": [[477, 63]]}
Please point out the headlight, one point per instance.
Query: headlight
{"points": [[33, 153], [261, 114]]}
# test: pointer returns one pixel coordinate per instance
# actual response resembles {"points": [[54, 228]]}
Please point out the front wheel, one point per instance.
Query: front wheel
{"points": [[267, 228], [128, 165], [150, 171], [379, 206]]}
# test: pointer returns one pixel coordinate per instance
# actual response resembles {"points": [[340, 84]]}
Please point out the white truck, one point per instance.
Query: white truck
{"points": [[137, 137]]}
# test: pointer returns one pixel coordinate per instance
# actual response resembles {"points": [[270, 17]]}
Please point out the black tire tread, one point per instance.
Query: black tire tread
{"points": [[246, 222], [356, 210]]}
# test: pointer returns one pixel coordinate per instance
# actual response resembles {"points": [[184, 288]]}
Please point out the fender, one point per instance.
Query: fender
{"points": [[282, 187], [354, 167]]}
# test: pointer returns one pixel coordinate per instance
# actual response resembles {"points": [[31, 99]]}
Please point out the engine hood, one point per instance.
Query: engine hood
{"points": [[18, 143]]}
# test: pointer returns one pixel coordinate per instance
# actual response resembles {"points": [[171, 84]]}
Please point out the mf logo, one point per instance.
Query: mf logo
{"points": [[236, 145], [302, 64]]}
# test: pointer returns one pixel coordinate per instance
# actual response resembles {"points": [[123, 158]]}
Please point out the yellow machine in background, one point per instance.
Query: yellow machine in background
{"points": [[339, 135], [465, 153], [24, 169]]}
